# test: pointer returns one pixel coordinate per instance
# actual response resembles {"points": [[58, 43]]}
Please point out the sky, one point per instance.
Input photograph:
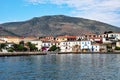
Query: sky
{"points": [[107, 11]]}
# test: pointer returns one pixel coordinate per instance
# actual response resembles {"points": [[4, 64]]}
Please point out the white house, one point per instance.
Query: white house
{"points": [[70, 46], [118, 43], [95, 48], [3, 38], [86, 46], [46, 45], [114, 36], [37, 43], [106, 41]]}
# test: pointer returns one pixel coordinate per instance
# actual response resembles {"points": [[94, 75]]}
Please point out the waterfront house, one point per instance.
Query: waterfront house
{"points": [[87, 36], [65, 38], [118, 43], [37, 43], [2, 41], [50, 38], [46, 45], [3, 38], [114, 36], [12, 39], [96, 39], [47, 38], [95, 47], [55, 43], [103, 48], [79, 38], [106, 40], [86, 46], [27, 39], [70, 46]]}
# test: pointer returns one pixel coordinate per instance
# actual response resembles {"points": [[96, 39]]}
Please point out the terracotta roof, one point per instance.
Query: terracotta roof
{"points": [[66, 36]]}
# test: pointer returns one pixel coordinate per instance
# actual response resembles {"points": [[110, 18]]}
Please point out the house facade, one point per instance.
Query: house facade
{"points": [[65, 38], [114, 36], [95, 48], [27, 39], [118, 44], [86, 46], [2, 41], [10, 39], [37, 43], [46, 45], [70, 46]]}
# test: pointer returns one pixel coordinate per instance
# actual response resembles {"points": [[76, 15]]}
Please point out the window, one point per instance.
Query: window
{"points": [[66, 47], [48, 44], [88, 42], [96, 49], [82, 42], [44, 44]]}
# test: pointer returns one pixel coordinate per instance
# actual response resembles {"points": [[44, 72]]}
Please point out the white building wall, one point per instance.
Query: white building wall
{"points": [[106, 41], [118, 44], [67, 46], [95, 48], [38, 44], [2, 38], [116, 35], [46, 44], [85, 45]]}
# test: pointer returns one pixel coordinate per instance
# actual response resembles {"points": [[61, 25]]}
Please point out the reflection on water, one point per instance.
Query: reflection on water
{"points": [[61, 67]]}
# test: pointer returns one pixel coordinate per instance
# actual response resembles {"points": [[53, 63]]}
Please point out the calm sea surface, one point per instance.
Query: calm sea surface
{"points": [[61, 67]]}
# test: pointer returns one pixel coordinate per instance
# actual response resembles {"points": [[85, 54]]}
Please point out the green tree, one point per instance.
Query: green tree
{"points": [[10, 49], [53, 48], [117, 48], [31, 46], [19, 47], [21, 43], [3, 46]]}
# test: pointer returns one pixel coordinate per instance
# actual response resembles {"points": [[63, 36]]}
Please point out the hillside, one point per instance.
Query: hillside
{"points": [[4, 32], [57, 25]]}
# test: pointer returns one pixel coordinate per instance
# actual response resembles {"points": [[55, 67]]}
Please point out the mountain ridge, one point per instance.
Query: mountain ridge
{"points": [[57, 25]]}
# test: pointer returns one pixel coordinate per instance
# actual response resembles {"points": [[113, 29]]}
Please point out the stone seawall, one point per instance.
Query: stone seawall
{"points": [[89, 53], [45, 53], [21, 53]]}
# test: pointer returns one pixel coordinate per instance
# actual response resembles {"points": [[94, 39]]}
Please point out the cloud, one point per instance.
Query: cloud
{"points": [[35, 1], [102, 10]]}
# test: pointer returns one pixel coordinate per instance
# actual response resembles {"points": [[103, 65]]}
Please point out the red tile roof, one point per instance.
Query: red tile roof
{"points": [[66, 36]]}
